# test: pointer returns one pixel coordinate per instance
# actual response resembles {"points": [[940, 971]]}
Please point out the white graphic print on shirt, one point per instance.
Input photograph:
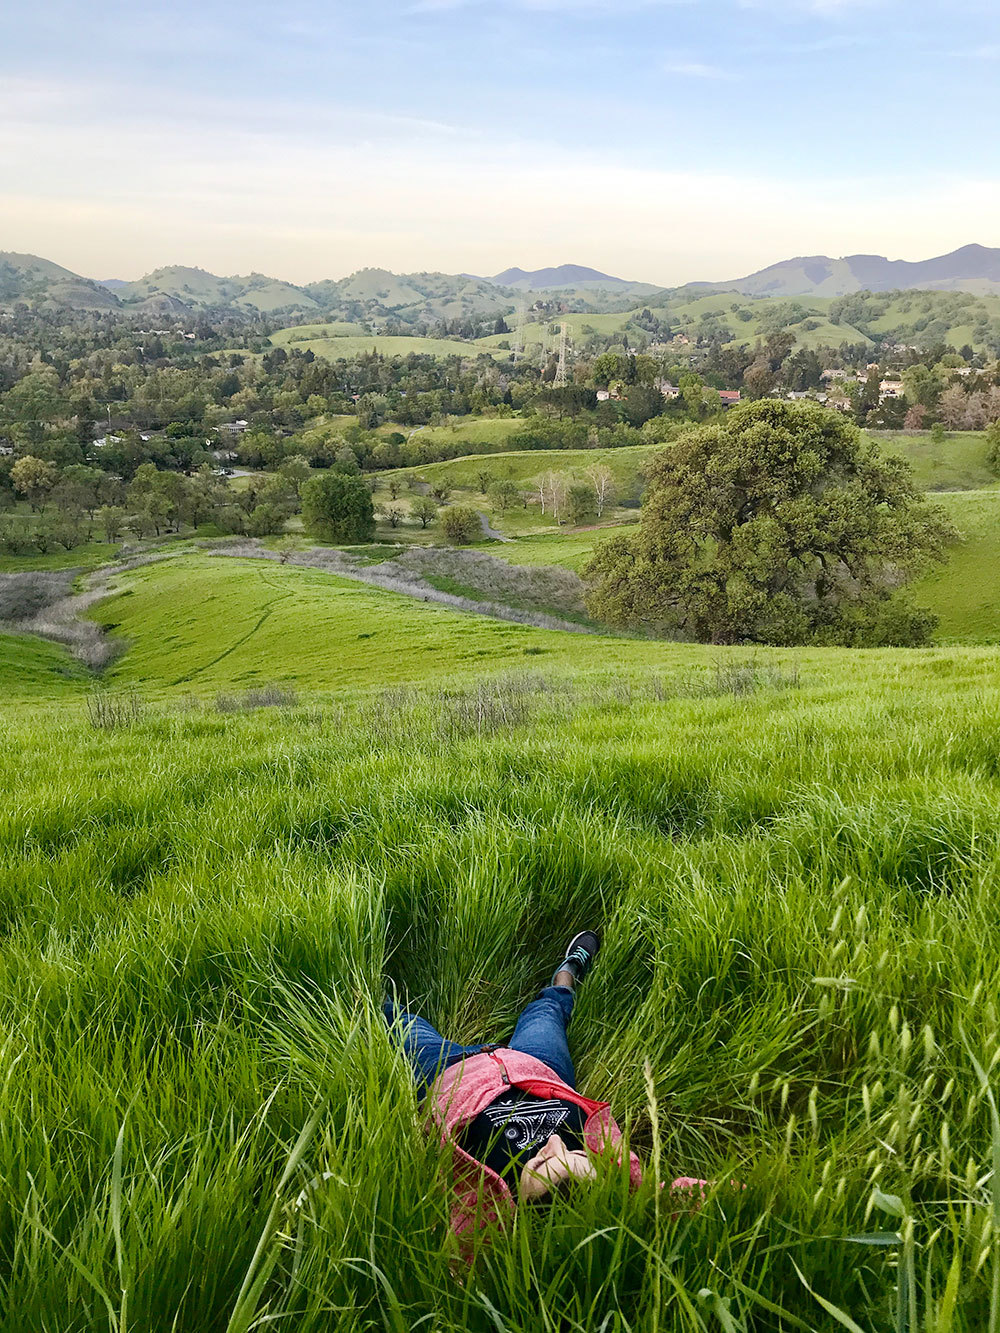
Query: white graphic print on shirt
{"points": [[526, 1124]]}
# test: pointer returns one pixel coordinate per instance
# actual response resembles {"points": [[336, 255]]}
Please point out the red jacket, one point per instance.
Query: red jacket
{"points": [[467, 1088]]}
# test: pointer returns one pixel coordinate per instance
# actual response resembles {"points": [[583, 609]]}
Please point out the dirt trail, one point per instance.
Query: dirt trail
{"points": [[489, 531], [396, 575]]}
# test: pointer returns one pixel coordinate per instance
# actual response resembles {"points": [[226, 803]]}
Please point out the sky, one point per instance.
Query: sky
{"points": [[660, 140]]}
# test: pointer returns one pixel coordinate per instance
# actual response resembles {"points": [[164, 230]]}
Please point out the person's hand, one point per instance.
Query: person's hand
{"points": [[550, 1166]]}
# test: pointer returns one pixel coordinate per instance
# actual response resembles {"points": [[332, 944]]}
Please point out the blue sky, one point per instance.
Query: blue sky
{"points": [[663, 139]]}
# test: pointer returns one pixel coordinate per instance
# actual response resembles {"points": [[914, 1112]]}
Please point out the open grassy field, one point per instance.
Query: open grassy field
{"points": [[965, 594], [388, 345], [301, 333], [32, 669], [958, 463], [201, 623], [524, 465], [494, 431], [206, 1126], [87, 556]]}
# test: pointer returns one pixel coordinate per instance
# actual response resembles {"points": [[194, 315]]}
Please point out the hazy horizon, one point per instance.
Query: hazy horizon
{"points": [[687, 141], [281, 277]]}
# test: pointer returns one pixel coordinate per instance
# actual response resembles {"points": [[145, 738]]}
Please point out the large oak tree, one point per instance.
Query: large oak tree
{"points": [[780, 524]]}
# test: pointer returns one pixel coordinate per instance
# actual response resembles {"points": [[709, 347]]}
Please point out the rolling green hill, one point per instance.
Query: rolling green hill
{"points": [[345, 634], [387, 345], [303, 333], [199, 289], [40, 282], [524, 465]]}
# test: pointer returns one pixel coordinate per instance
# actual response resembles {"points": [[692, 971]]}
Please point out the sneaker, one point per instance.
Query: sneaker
{"points": [[580, 954]]}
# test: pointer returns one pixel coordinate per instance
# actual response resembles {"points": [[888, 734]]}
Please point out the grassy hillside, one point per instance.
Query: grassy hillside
{"points": [[335, 347], [87, 556], [196, 287], [523, 466], [32, 669], [209, 1129], [965, 594], [39, 281], [300, 333], [958, 463], [203, 623]]}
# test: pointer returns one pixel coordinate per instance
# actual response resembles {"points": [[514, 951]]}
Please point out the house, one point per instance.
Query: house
{"points": [[668, 390], [6, 450], [603, 395], [831, 374], [730, 397], [891, 389], [232, 428], [108, 439]]}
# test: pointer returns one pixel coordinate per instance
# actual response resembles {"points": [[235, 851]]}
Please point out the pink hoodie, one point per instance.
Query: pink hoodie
{"points": [[467, 1088]]}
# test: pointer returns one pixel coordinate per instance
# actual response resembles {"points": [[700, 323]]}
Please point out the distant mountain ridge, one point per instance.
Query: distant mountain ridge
{"points": [[973, 268], [565, 275], [380, 296]]}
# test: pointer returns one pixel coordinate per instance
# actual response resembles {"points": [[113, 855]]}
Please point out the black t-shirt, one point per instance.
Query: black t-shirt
{"points": [[511, 1129]]}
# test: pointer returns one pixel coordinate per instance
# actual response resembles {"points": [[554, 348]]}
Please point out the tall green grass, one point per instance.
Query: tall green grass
{"points": [[205, 1124]]}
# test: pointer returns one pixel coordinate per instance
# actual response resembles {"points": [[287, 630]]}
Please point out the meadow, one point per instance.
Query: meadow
{"points": [[348, 345], [208, 1129]]}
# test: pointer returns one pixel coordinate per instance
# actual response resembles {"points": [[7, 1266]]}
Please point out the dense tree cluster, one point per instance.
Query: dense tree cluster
{"points": [[93, 405]]}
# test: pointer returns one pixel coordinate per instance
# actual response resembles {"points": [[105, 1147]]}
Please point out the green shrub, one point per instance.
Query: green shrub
{"points": [[461, 524]]}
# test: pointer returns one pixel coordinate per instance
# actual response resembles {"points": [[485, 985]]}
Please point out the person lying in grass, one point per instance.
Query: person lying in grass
{"points": [[521, 1131]]}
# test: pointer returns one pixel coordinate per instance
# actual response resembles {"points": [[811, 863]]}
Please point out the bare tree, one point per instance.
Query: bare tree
{"points": [[555, 487], [603, 480], [393, 514], [953, 406]]}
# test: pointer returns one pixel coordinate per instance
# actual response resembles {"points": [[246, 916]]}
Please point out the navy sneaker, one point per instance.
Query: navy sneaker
{"points": [[581, 951]]}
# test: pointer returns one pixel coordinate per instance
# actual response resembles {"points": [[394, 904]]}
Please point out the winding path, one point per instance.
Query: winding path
{"points": [[393, 578], [489, 531]]}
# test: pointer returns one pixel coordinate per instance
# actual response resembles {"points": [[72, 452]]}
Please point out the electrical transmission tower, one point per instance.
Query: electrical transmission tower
{"points": [[522, 314], [563, 353]]}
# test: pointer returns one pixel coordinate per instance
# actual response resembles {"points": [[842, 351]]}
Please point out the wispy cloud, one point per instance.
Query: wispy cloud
{"points": [[543, 6], [695, 69], [827, 8]]}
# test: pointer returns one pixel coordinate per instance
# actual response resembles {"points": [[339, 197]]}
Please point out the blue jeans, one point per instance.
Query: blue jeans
{"points": [[540, 1031]]}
